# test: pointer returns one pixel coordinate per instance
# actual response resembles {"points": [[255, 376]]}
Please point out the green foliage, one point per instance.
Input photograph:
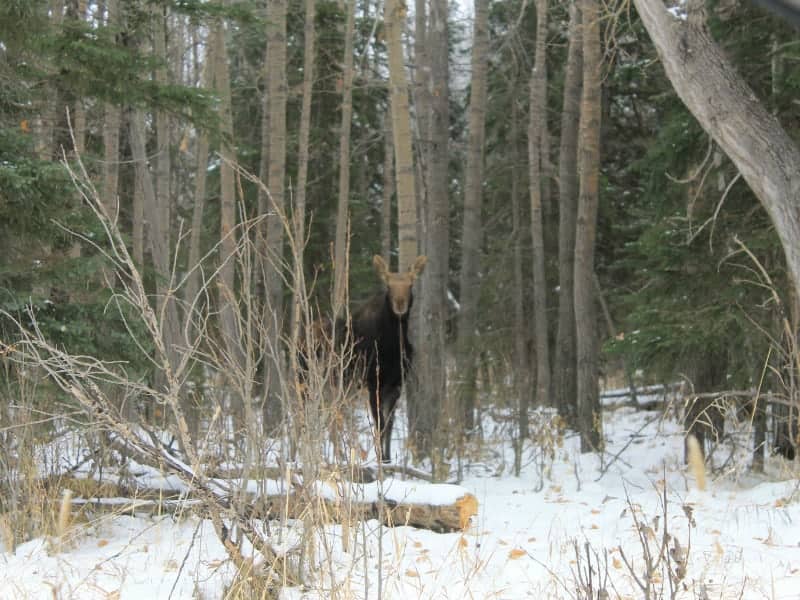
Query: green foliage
{"points": [[671, 233]]}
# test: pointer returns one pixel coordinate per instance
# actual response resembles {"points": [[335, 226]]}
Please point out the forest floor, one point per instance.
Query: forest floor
{"points": [[570, 526]]}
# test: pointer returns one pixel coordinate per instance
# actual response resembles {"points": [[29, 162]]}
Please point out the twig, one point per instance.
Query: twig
{"points": [[625, 447], [185, 558]]}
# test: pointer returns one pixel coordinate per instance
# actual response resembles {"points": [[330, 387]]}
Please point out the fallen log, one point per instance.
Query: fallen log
{"points": [[437, 507]]}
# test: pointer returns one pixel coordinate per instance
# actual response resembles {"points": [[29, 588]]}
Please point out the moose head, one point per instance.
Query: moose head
{"points": [[398, 285]]}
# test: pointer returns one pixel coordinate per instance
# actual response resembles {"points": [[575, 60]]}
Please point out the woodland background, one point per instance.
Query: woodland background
{"points": [[394, 130]]}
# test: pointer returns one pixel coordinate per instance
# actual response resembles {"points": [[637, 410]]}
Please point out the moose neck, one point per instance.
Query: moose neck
{"points": [[395, 321]]}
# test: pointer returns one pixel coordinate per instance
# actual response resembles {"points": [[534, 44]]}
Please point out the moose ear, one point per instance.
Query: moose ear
{"points": [[380, 266], [418, 266]]}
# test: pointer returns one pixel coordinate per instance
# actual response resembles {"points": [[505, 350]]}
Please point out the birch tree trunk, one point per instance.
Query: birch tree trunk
{"points": [[394, 20], [589, 415], [342, 212], [538, 121], [564, 370], [394, 17], [388, 191], [729, 111], [472, 232]]}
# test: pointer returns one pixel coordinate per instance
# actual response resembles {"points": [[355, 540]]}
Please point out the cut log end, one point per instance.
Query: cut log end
{"points": [[467, 507]]}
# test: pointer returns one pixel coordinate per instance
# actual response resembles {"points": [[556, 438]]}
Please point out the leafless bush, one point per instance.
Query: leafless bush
{"points": [[662, 568], [226, 455], [590, 573]]}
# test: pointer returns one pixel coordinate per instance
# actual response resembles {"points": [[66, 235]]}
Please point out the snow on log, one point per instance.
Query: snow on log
{"points": [[438, 507]]}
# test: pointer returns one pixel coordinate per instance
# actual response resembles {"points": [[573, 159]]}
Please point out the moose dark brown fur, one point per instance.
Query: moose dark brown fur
{"points": [[379, 331], [378, 350]]}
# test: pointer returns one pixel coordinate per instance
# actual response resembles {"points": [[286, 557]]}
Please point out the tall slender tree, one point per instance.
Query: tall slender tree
{"points": [[198, 207], [536, 159], [158, 242], [394, 17], [299, 212], [420, 429], [472, 231], [589, 415], [342, 212], [273, 281], [229, 327], [111, 125], [388, 190], [521, 362], [163, 172], [433, 374], [564, 369]]}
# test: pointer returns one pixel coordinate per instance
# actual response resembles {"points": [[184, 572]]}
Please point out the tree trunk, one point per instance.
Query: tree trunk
{"points": [[137, 208], [277, 92], [472, 232], [589, 416], [538, 120], [422, 99], [564, 371], [395, 13], [79, 117], [45, 146], [394, 19], [388, 191], [163, 163], [158, 242], [433, 376], [729, 111], [340, 269], [299, 212], [195, 236], [113, 118], [520, 361], [230, 329]]}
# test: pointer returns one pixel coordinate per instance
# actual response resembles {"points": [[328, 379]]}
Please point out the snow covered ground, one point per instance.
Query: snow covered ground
{"points": [[740, 538]]}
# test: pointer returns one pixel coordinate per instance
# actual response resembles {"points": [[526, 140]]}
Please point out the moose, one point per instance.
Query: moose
{"points": [[379, 332], [377, 335]]}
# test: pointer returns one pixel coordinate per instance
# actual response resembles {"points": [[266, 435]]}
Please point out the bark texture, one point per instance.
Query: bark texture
{"points": [[564, 371], [536, 158], [521, 362], [227, 298], [113, 120], [394, 17], [273, 281], [388, 191], [472, 231], [342, 212], [432, 397], [589, 416]]}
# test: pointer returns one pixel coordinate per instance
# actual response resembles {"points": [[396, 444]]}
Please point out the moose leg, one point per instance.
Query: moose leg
{"points": [[389, 397]]}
